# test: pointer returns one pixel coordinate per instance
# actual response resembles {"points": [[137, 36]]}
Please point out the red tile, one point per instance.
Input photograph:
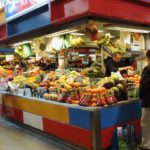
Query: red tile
{"points": [[14, 114], [3, 34], [106, 136], [74, 135]]}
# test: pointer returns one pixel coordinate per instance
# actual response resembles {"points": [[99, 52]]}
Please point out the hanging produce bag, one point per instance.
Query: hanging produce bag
{"points": [[124, 139]]}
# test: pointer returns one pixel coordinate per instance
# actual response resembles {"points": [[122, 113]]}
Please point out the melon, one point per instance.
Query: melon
{"points": [[120, 87], [114, 77]]}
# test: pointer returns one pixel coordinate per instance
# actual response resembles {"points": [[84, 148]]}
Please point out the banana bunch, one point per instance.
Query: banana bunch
{"points": [[19, 80], [76, 42], [62, 79], [34, 85], [103, 40], [117, 48], [3, 72], [30, 80]]}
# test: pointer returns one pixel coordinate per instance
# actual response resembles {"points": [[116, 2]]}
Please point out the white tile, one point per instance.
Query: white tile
{"points": [[33, 120]]}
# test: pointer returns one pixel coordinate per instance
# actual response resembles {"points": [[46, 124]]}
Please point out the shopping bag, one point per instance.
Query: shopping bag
{"points": [[124, 138]]}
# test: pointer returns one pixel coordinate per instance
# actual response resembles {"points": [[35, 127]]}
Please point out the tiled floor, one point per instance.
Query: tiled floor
{"points": [[13, 137]]}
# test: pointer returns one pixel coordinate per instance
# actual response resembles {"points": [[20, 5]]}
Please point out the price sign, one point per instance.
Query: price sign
{"points": [[15, 8]]}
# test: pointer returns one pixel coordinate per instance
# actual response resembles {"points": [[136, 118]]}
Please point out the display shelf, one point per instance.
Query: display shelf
{"points": [[71, 122], [28, 22]]}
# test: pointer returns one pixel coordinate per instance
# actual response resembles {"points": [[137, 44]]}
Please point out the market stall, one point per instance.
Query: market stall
{"points": [[75, 98], [56, 82]]}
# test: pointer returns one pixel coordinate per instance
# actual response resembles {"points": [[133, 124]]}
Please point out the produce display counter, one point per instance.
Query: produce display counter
{"points": [[89, 128]]}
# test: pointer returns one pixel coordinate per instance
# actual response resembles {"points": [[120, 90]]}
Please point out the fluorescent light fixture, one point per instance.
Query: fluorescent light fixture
{"points": [[67, 31], [77, 34], [128, 29], [82, 55]]}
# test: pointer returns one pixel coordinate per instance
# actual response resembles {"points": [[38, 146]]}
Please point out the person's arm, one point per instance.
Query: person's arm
{"points": [[125, 68]]}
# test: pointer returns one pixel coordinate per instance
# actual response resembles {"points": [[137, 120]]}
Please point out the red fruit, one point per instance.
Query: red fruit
{"points": [[94, 101], [108, 101], [65, 98], [114, 99], [62, 99], [98, 102], [83, 96], [69, 100], [103, 103], [76, 97], [85, 102]]}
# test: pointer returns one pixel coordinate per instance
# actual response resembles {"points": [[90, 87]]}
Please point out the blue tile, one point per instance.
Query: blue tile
{"points": [[80, 118], [115, 115]]}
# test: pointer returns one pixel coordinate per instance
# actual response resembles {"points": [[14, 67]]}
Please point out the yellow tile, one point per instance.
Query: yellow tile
{"points": [[47, 110], [2, 16]]}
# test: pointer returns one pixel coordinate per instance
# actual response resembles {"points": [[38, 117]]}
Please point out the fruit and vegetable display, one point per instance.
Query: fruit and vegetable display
{"points": [[133, 81], [132, 85], [97, 97], [67, 82], [76, 88], [106, 91], [95, 71], [116, 86]]}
